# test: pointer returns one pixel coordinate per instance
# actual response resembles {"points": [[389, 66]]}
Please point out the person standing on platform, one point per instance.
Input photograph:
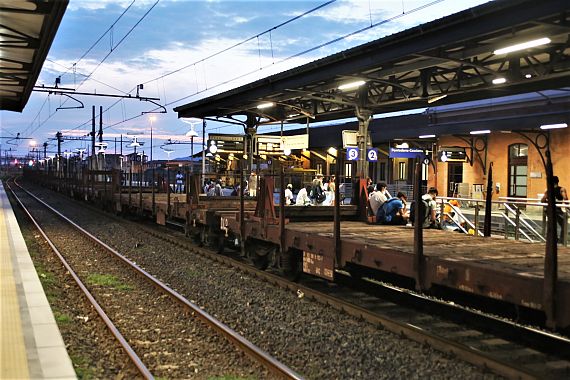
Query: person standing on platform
{"points": [[252, 185], [317, 193], [303, 197], [289, 194], [179, 182], [218, 189], [560, 195], [331, 188]]}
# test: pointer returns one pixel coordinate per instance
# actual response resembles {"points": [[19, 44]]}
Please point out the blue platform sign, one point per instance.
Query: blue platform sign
{"points": [[351, 154], [372, 154], [406, 153]]}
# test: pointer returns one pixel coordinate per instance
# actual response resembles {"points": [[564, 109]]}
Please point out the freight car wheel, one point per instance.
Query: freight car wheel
{"points": [[221, 244], [205, 236], [259, 253], [291, 264]]}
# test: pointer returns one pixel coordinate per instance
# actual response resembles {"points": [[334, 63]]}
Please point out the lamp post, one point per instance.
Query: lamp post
{"points": [[152, 118], [191, 133]]}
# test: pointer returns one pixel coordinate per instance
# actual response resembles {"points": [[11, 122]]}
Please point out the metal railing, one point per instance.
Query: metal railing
{"points": [[518, 217]]}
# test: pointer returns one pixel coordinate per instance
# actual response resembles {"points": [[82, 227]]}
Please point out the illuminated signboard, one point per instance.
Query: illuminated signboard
{"points": [[226, 143], [268, 144], [452, 154], [406, 153]]}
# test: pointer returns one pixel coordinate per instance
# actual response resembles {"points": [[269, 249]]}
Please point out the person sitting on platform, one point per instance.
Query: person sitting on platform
{"points": [[377, 197], [450, 219], [303, 197], [393, 211], [431, 217], [369, 186]]}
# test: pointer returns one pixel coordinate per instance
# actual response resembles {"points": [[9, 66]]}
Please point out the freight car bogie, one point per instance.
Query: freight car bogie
{"points": [[260, 253]]}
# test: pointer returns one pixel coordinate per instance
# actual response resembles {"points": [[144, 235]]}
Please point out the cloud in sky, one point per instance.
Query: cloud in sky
{"points": [[178, 33]]}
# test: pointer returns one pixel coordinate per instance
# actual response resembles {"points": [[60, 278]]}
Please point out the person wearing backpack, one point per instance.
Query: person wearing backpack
{"points": [[393, 211], [427, 209], [317, 193], [431, 212]]}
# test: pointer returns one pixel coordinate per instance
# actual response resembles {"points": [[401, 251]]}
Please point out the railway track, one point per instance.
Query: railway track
{"points": [[482, 348], [507, 348], [485, 348], [158, 328]]}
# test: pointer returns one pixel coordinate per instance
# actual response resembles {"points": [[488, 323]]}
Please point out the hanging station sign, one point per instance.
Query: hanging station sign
{"points": [[406, 153], [452, 154], [350, 138], [226, 143], [295, 142], [267, 144]]}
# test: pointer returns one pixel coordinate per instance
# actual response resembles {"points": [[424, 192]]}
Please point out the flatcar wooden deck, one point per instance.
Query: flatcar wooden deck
{"points": [[492, 267]]}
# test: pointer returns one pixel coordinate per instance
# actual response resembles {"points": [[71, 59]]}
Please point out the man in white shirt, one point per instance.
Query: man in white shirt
{"points": [[432, 211], [377, 197]]}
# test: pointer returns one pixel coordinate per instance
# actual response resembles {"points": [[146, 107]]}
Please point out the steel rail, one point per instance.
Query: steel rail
{"points": [[144, 371], [272, 364], [463, 352]]}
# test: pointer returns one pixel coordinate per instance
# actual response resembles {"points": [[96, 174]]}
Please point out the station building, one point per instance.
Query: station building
{"points": [[507, 131]]}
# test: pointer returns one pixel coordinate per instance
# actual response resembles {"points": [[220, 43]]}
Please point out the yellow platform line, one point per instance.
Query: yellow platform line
{"points": [[13, 358]]}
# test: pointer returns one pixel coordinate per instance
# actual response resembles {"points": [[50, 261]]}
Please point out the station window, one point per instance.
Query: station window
{"points": [[402, 173], [348, 170], [382, 171], [518, 170], [319, 168]]}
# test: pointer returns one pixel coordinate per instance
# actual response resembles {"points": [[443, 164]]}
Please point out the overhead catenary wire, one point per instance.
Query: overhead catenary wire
{"points": [[202, 60], [198, 91], [361, 30], [74, 66], [106, 56]]}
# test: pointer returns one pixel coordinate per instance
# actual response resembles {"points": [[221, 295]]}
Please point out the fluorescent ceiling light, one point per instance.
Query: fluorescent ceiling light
{"points": [[403, 145], [348, 86], [481, 132], [499, 80], [265, 105], [522, 46], [436, 98], [554, 126], [426, 136]]}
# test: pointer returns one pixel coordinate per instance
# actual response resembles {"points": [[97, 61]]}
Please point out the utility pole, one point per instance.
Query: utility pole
{"points": [[92, 139]]}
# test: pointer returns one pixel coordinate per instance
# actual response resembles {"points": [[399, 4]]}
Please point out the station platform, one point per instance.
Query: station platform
{"points": [[31, 346]]}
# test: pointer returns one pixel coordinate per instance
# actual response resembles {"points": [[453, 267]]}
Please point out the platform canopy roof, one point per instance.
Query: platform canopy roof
{"points": [[27, 30], [450, 60]]}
